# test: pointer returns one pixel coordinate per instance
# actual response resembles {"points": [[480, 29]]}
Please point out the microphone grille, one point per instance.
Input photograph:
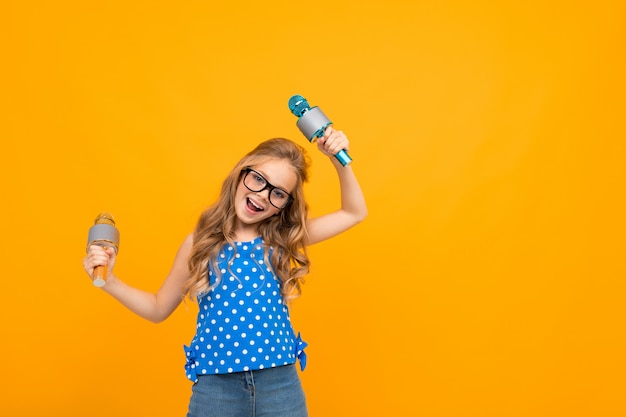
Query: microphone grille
{"points": [[105, 218], [298, 105]]}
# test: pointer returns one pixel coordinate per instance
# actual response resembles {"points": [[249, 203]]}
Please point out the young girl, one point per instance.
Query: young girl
{"points": [[244, 261]]}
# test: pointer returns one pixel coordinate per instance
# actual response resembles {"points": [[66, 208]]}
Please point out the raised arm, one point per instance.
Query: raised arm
{"points": [[353, 209], [154, 307]]}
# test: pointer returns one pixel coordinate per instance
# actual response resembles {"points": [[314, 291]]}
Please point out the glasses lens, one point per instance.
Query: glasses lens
{"points": [[254, 181], [278, 198]]}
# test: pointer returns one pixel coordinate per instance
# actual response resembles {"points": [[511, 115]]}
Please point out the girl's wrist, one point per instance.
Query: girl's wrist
{"points": [[110, 283], [337, 164]]}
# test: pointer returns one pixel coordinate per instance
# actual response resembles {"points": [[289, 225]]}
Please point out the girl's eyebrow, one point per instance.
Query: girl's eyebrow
{"points": [[269, 182]]}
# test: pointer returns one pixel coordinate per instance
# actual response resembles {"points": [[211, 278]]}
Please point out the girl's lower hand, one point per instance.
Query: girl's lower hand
{"points": [[99, 256], [332, 142]]}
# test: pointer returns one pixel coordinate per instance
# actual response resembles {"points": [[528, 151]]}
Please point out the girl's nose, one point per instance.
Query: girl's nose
{"points": [[265, 193]]}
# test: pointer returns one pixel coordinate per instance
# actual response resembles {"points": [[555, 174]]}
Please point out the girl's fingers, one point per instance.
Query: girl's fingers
{"points": [[332, 142], [97, 256]]}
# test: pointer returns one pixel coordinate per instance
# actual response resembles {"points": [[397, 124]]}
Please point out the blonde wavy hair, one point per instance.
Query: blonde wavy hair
{"points": [[285, 232]]}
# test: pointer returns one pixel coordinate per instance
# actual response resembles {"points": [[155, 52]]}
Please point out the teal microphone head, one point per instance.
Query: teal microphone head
{"points": [[298, 105]]}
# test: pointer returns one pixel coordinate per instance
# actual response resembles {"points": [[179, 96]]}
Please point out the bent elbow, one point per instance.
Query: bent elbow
{"points": [[361, 215], [161, 318], [156, 320]]}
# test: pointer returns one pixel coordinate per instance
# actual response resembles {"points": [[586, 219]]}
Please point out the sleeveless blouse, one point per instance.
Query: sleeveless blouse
{"points": [[243, 323]]}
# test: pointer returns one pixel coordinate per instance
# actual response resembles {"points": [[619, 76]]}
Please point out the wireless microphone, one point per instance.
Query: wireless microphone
{"points": [[312, 122], [103, 233]]}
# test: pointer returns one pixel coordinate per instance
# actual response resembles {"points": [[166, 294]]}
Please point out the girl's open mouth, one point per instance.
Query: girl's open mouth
{"points": [[252, 206]]}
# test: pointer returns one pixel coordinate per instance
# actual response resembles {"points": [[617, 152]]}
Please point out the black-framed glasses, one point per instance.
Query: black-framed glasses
{"points": [[256, 182]]}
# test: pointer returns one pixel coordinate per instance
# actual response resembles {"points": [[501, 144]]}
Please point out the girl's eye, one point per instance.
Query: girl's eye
{"points": [[279, 193]]}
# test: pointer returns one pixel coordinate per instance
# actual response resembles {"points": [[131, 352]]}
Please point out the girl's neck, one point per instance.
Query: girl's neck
{"points": [[245, 234]]}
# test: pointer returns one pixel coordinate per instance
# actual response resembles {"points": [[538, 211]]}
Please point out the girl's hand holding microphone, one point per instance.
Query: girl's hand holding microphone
{"points": [[332, 142], [99, 263], [102, 243]]}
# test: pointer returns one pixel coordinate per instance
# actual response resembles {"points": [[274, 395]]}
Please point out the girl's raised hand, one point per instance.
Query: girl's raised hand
{"points": [[332, 142], [99, 255]]}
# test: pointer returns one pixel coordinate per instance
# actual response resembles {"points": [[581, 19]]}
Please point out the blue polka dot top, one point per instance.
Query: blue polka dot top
{"points": [[242, 324]]}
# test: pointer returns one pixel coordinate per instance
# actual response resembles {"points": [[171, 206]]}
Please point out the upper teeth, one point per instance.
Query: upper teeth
{"points": [[255, 205]]}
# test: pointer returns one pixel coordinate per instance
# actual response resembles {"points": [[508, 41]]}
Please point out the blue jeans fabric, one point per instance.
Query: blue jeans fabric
{"points": [[271, 392]]}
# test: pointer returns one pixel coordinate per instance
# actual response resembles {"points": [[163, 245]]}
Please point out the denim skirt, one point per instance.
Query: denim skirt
{"points": [[271, 392]]}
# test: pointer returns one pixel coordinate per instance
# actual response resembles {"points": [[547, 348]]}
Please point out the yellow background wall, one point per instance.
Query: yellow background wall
{"points": [[489, 138]]}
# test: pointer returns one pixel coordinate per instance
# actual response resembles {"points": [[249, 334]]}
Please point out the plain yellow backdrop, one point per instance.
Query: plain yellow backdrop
{"points": [[489, 139]]}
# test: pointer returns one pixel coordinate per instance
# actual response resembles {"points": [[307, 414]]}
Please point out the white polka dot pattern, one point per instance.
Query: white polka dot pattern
{"points": [[242, 323]]}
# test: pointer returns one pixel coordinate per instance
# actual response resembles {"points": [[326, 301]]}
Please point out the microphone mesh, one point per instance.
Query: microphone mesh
{"points": [[298, 105]]}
